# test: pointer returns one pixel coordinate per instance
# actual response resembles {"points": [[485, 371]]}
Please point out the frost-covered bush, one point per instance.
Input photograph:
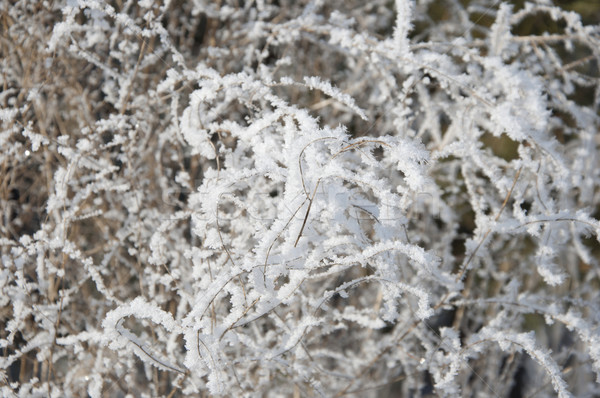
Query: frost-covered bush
{"points": [[299, 198]]}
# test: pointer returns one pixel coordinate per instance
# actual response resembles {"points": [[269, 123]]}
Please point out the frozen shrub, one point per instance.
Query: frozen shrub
{"points": [[299, 198]]}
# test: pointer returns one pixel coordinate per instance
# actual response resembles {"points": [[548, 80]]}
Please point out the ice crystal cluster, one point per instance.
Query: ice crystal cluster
{"points": [[299, 198]]}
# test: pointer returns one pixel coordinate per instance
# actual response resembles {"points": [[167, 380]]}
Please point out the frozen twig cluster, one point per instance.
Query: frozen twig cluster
{"points": [[299, 198]]}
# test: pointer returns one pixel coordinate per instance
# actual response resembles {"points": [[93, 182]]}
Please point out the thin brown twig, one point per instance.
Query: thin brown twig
{"points": [[489, 230]]}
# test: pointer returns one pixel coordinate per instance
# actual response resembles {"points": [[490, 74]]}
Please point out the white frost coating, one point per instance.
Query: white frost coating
{"points": [[170, 175], [500, 33], [547, 267], [117, 337], [403, 26], [527, 342], [143, 310], [315, 82], [8, 114]]}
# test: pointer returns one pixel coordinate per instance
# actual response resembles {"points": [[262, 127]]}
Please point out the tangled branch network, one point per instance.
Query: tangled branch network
{"points": [[299, 198]]}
